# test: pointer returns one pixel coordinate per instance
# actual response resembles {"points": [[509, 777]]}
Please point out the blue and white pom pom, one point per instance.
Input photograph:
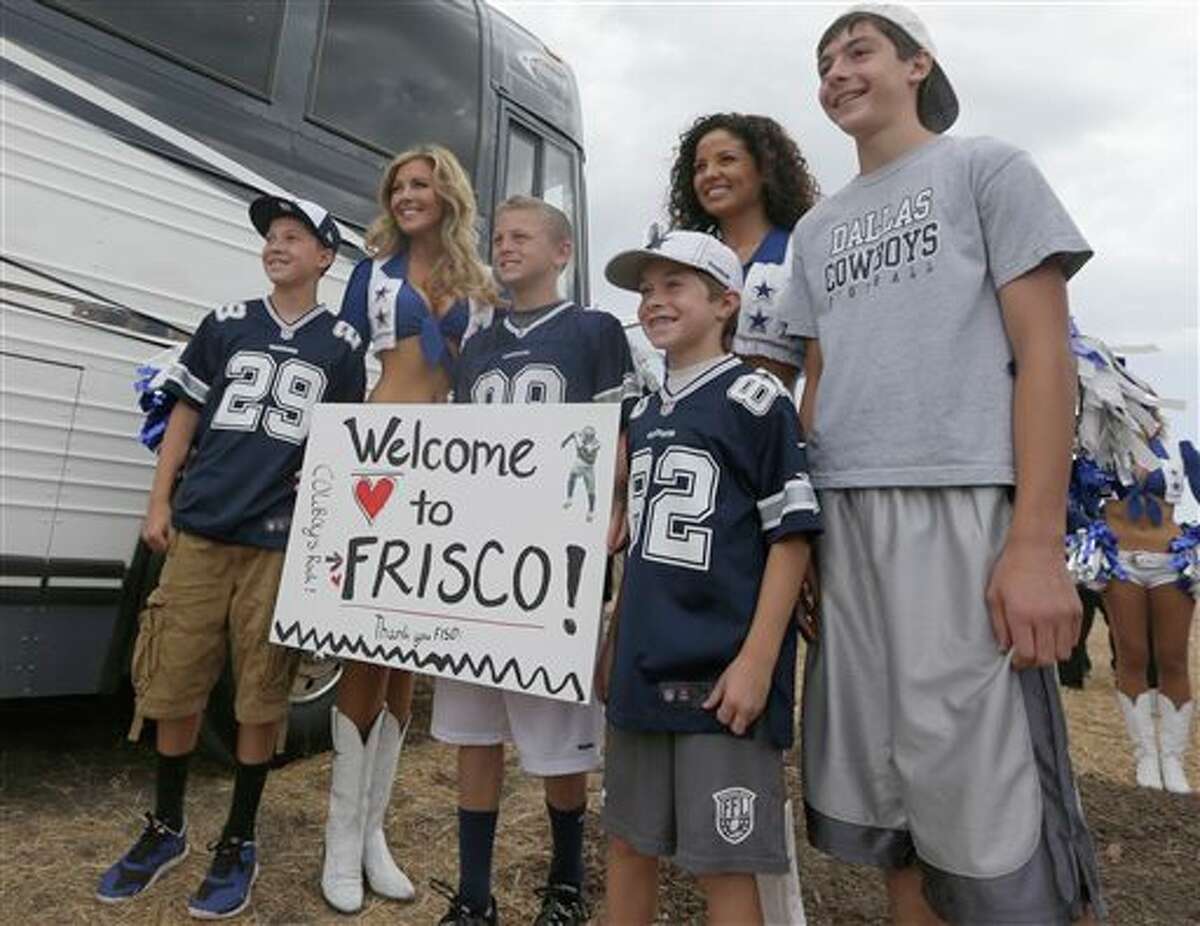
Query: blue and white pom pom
{"points": [[1092, 556], [1091, 485], [1185, 557], [153, 399], [1119, 414]]}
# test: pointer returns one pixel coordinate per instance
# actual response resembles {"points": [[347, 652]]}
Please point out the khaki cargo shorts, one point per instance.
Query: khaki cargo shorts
{"points": [[213, 598]]}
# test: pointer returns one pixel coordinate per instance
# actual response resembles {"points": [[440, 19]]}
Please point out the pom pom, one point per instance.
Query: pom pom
{"points": [[1119, 425], [154, 401], [1092, 556], [1185, 558]]}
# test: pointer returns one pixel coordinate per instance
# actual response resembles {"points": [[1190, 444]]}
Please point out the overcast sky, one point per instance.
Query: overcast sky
{"points": [[1103, 95]]}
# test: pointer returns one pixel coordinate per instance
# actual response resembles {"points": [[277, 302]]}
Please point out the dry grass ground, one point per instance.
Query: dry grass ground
{"points": [[71, 791]]}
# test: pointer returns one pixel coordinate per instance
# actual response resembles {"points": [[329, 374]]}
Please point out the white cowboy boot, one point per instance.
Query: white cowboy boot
{"points": [[1174, 727], [341, 874], [383, 874], [1139, 722]]}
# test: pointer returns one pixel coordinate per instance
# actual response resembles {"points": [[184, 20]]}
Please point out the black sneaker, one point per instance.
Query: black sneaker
{"points": [[459, 913], [225, 890], [157, 851], [562, 905]]}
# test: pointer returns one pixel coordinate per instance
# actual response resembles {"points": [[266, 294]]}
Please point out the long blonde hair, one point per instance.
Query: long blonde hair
{"points": [[458, 272]]}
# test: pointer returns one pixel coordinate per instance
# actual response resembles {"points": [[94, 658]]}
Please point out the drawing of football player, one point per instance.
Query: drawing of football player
{"points": [[586, 448]]}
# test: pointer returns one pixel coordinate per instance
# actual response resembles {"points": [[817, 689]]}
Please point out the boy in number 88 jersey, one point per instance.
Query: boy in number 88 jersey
{"points": [[703, 648], [245, 387], [544, 350]]}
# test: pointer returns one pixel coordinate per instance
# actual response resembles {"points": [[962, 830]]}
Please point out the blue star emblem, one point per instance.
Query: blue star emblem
{"points": [[758, 321], [381, 318], [381, 293], [763, 290], [657, 238]]}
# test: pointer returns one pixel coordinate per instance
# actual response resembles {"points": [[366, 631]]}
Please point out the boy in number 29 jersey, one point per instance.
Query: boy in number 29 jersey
{"points": [[263, 374], [703, 647], [244, 389]]}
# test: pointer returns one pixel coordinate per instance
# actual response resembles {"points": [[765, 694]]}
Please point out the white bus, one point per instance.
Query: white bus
{"points": [[132, 137]]}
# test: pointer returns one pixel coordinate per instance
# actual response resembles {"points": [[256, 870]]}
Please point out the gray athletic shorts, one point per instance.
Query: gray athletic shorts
{"points": [[712, 803], [921, 745]]}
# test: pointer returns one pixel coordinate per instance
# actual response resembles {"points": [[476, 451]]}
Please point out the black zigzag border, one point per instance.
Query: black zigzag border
{"points": [[344, 645]]}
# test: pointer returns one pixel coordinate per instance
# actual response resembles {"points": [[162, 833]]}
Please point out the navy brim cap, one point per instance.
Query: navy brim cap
{"points": [[266, 209]]}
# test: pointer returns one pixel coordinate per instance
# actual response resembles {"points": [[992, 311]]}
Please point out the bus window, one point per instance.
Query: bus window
{"points": [[558, 180], [558, 189], [393, 75], [522, 161], [234, 41], [536, 166]]}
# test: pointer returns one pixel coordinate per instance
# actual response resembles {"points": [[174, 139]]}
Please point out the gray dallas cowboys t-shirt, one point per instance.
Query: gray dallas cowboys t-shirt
{"points": [[897, 275]]}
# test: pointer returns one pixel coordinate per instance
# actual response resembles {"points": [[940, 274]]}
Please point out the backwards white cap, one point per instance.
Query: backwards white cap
{"points": [[937, 104]]}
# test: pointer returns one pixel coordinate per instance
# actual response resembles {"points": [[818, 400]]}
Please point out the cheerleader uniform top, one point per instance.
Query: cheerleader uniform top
{"points": [[385, 309], [1163, 485], [767, 276]]}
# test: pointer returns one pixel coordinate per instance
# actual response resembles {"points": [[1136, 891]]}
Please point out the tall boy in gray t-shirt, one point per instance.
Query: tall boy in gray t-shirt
{"points": [[932, 290]]}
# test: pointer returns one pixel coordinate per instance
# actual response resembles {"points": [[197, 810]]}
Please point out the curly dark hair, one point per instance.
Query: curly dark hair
{"points": [[789, 189]]}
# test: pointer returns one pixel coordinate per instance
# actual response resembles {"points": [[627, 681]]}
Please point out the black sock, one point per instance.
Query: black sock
{"points": [[169, 786], [566, 827], [248, 784], [476, 837]]}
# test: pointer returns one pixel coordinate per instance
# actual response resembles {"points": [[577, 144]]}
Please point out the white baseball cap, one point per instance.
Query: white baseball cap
{"points": [[937, 104], [690, 248]]}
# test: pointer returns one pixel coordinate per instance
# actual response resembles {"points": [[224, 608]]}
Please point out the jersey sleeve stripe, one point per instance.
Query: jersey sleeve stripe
{"points": [[383, 340], [797, 495], [193, 387], [628, 389]]}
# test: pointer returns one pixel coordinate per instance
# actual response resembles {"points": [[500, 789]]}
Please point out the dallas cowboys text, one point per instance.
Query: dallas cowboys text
{"points": [[883, 245]]}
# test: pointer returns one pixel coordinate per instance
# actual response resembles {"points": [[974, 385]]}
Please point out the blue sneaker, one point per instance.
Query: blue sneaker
{"points": [[158, 850], [225, 890]]}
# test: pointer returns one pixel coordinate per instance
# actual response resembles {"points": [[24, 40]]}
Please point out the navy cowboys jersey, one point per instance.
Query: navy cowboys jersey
{"points": [[716, 475], [568, 355], [255, 379]]}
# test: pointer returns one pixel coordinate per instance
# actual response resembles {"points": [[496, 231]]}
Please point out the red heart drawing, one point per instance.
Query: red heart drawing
{"points": [[372, 498]]}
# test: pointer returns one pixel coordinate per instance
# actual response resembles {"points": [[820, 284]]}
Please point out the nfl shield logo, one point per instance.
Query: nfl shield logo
{"points": [[734, 814]]}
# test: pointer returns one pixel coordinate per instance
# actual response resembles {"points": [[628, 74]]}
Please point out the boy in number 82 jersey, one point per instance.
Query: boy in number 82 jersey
{"points": [[720, 510], [245, 387]]}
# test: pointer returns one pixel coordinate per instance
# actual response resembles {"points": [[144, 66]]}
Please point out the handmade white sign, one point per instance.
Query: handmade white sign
{"points": [[466, 541]]}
